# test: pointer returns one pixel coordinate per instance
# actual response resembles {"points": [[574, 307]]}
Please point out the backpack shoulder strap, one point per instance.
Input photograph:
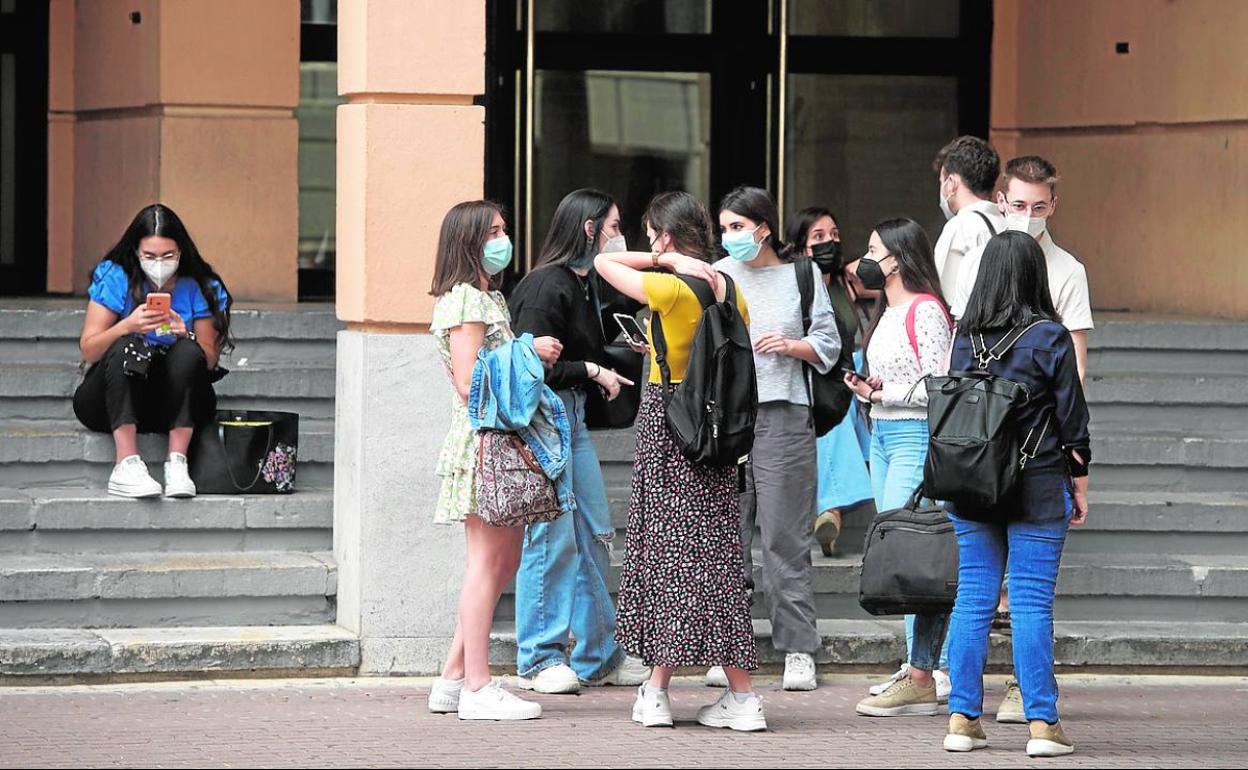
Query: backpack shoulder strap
{"points": [[914, 306], [987, 221], [985, 355], [701, 289], [805, 289]]}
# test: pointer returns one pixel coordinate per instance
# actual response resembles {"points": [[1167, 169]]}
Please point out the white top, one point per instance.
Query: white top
{"points": [[776, 306], [891, 358], [1068, 283], [964, 233]]}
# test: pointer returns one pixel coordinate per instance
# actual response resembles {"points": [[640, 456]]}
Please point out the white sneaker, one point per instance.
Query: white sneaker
{"points": [[178, 477], [897, 677], [554, 680], [727, 712], [943, 686], [799, 672], [444, 695], [652, 708], [715, 677], [630, 673], [131, 479], [493, 702]]}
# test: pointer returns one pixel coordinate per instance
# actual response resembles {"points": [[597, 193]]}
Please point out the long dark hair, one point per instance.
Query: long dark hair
{"points": [[1012, 288], [757, 205], [686, 220], [160, 220], [906, 240], [566, 242], [465, 229]]}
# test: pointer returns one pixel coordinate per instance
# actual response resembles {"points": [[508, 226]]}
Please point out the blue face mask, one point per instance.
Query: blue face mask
{"points": [[741, 245], [497, 255]]}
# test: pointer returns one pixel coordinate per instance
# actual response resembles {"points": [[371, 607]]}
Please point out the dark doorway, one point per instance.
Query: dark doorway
{"points": [[23, 147]]}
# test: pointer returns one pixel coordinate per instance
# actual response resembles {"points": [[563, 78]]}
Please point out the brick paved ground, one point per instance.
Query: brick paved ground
{"points": [[1116, 722]]}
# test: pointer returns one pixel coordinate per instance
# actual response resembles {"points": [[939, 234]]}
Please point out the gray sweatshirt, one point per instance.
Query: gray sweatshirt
{"points": [[775, 305]]}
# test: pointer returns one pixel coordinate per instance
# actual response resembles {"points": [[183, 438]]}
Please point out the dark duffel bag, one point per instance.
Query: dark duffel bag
{"points": [[601, 414], [245, 452], [910, 561]]}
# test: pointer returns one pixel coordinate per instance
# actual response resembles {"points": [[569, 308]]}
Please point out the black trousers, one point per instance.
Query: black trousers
{"points": [[175, 394]]}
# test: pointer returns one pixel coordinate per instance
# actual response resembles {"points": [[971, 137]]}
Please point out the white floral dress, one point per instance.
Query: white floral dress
{"points": [[463, 304]]}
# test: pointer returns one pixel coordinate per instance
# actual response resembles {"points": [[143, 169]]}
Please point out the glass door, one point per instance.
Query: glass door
{"points": [[845, 110], [23, 147]]}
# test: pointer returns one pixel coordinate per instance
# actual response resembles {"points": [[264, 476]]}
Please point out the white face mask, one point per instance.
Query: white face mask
{"points": [[1033, 226], [615, 244], [944, 203], [159, 270]]}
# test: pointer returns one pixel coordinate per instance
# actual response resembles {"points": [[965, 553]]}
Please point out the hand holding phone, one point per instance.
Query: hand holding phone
{"points": [[160, 302], [633, 333]]}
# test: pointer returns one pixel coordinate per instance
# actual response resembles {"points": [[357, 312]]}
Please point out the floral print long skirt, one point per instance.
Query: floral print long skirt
{"points": [[683, 599]]}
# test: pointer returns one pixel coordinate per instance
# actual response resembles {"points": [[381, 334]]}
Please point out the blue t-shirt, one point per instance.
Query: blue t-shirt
{"points": [[110, 287]]}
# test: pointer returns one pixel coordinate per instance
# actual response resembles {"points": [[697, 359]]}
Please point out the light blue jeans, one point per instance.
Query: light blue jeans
{"points": [[1032, 551], [898, 450], [561, 587]]}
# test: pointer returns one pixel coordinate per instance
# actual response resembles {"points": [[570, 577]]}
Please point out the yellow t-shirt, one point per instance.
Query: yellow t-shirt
{"points": [[680, 310]]}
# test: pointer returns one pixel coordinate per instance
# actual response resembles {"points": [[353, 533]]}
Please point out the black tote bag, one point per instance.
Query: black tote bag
{"points": [[910, 561], [601, 414], [245, 452]]}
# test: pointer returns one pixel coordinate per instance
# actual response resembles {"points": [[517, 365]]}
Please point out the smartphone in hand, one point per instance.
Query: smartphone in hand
{"points": [[633, 333], [159, 302], [857, 374]]}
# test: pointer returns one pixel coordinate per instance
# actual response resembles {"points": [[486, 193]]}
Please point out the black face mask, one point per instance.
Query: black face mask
{"points": [[827, 256], [871, 274]]}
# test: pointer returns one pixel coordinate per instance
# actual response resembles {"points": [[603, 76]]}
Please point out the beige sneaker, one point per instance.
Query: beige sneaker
{"points": [[965, 734], [903, 698], [827, 530], [1048, 740], [1011, 708]]}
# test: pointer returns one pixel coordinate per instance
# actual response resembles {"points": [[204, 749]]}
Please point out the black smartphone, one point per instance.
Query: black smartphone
{"points": [[633, 332], [857, 374]]}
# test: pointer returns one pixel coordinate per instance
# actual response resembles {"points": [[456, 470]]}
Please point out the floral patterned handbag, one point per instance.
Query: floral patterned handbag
{"points": [[512, 489]]}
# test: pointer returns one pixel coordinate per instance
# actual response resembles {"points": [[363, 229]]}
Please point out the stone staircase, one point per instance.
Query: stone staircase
{"points": [[1159, 575], [94, 584]]}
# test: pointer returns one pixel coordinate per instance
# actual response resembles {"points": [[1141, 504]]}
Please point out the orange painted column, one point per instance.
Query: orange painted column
{"points": [[186, 103], [410, 145]]}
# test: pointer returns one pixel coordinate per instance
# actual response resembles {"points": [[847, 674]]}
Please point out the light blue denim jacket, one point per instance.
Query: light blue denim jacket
{"points": [[509, 393]]}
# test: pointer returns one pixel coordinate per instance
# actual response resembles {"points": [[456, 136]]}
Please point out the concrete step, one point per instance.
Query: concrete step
{"points": [[1131, 342], [1091, 586], [1142, 522], [45, 391], [74, 521], [63, 453], [1076, 644], [166, 589], [321, 650]]}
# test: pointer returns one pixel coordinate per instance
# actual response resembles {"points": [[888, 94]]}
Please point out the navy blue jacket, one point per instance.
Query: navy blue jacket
{"points": [[1043, 360]]}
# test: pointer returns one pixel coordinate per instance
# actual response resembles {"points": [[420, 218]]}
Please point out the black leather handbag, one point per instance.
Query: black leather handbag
{"points": [[245, 452], [601, 414], [910, 561]]}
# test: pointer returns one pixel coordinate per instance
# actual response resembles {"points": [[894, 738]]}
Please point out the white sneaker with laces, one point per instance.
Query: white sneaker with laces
{"points": [[799, 672], [715, 677], [652, 708], [556, 680], [630, 673], [493, 702], [178, 477], [727, 712], [131, 479], [444, 695], [897, 677], [943, 686]]}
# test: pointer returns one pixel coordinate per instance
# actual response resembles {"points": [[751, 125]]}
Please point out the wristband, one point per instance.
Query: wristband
{"points": [[654, 258]]}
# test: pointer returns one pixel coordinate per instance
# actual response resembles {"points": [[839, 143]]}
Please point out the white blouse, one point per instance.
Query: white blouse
{"points": [[891, 357]]}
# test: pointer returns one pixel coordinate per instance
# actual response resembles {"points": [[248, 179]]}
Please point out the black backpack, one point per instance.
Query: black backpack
{"points": [[909, 561], [830, 396], [711, 411], [975, 458]]}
